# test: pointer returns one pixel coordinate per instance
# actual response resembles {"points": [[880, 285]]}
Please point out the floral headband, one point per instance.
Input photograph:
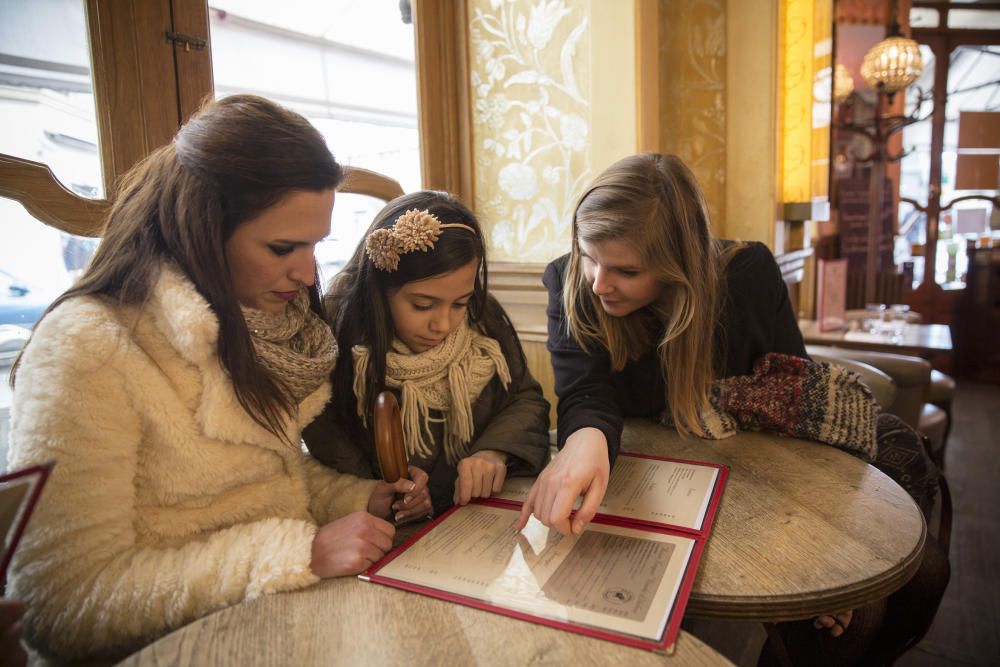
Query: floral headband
{"points": [[414, 230]]}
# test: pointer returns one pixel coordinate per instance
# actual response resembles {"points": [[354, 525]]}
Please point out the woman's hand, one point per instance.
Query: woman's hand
{"points": [[416, 500], [350, 545], [480, 475], [835, 623], [581, 468]]}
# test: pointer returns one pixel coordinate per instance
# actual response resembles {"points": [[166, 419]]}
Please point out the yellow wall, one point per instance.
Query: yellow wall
{"points": [[692, 76]]}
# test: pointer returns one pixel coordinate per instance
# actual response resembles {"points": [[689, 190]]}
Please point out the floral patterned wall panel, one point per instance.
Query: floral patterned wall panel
{"points": [[530, 77], [693, 74]]}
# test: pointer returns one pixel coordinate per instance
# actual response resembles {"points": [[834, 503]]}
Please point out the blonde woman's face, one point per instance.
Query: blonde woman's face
{"points": [[272, 256], [425, 311], [618, 277]]}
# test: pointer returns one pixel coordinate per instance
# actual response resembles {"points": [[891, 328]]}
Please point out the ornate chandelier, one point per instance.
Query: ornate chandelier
{"points": [[892, 64]]}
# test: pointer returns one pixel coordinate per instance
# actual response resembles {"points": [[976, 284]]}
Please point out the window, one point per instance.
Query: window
{"points": [[346, 66]]}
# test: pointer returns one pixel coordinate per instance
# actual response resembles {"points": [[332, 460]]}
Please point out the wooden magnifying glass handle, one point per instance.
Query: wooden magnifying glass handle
{"points": [[389, 447]]}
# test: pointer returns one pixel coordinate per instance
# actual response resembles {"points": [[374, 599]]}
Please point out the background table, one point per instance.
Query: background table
{"points": [[917, 339], [802, 529], [350, 622]]}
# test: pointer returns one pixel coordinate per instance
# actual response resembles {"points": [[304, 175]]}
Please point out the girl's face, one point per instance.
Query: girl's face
{"points": [[425, 311], [271, 256], [618, 277]]}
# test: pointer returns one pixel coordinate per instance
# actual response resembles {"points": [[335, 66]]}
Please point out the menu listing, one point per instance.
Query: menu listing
{"points": [[626, 578]]}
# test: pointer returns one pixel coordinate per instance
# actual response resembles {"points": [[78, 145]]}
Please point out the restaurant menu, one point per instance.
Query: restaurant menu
{"points": [[19, 491], [625, 578]]}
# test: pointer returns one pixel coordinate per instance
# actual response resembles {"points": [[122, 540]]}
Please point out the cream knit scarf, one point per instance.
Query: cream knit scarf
{"points": [[447, 378], [295, 346]]}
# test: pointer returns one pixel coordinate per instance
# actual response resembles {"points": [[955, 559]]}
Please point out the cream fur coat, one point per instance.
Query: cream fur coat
{"points": [[167, 500]]}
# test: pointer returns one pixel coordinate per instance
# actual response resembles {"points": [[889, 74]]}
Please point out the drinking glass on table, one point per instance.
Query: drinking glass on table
{"points": [[874, 313], [897, 322]]}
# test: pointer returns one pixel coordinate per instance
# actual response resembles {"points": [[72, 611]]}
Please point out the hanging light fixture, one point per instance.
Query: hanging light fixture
{"points": [[843, 83], [894, 63]]}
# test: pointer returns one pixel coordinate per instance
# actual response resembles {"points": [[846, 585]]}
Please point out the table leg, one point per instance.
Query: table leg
{"points": [[777, 645]]}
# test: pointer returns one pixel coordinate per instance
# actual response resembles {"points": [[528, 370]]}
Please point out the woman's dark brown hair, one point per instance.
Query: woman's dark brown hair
{"points": [[232, 160]]}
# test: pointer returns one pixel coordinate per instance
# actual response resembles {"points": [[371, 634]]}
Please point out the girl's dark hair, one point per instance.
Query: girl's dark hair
{"points": [[232, 160], [359, 309]]}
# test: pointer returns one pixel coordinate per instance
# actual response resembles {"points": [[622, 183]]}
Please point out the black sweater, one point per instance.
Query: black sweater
{"points": [[757, 318]]}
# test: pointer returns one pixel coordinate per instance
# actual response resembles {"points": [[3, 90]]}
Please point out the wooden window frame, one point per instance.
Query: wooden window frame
{"points": [[144, 87]]}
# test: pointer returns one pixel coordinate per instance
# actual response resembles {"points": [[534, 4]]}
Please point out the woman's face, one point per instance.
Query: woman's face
{"points": [[271, 256], [425, 311], [618, 277]]}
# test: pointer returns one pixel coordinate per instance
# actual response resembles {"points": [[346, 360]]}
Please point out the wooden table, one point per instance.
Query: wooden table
{"points": [[802, 529], [917, 339], [349, 622]]}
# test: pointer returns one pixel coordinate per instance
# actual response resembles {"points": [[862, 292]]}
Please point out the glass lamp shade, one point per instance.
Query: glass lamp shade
{"points": [[895, 63], [843, 82]]}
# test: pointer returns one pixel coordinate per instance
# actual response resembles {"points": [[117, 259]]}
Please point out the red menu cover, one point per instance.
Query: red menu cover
{"points": [[625, 579], [19, 492]]}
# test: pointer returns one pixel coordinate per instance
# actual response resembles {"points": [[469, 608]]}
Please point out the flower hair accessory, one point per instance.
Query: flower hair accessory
{"points": [[414, 230]]}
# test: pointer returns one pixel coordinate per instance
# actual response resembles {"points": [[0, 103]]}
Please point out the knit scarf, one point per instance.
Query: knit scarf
{"points": [[447, 378], [793, 396], [295, 346]]}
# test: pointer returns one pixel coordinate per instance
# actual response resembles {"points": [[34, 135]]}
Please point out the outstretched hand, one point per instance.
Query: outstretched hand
{"points": [[581, 468]]}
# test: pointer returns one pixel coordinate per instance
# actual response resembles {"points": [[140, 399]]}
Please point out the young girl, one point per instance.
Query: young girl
{"points": [[412, 314], [170, 385]]}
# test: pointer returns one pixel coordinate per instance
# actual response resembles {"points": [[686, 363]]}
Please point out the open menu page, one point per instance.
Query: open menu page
{"points": [[647, 490], [614, 581]]}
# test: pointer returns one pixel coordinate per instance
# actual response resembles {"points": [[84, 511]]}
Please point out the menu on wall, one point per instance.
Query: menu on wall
{"points": [[853, 208]]}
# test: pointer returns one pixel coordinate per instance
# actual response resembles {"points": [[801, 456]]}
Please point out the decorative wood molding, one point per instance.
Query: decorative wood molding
{"points": [[519, 289], [373, 184], [195, 82], [35, 186], [649, 93], [135, 81], [445, 123]]}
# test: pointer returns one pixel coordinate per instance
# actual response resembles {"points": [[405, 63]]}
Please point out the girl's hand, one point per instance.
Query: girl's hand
{"points": [[480, 476], [350, 545], [581, 468], [835, 623], [415, 501]]}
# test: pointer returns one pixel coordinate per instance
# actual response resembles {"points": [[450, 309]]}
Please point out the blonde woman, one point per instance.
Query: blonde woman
{"points": [[647, 305], [645, 312]]}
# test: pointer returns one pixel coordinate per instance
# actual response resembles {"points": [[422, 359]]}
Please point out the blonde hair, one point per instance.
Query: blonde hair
{"points": [[653, 203]]}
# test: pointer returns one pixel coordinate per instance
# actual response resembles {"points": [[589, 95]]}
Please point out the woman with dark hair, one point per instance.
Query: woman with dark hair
{"points": [[170, 385], [412, 314]]}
